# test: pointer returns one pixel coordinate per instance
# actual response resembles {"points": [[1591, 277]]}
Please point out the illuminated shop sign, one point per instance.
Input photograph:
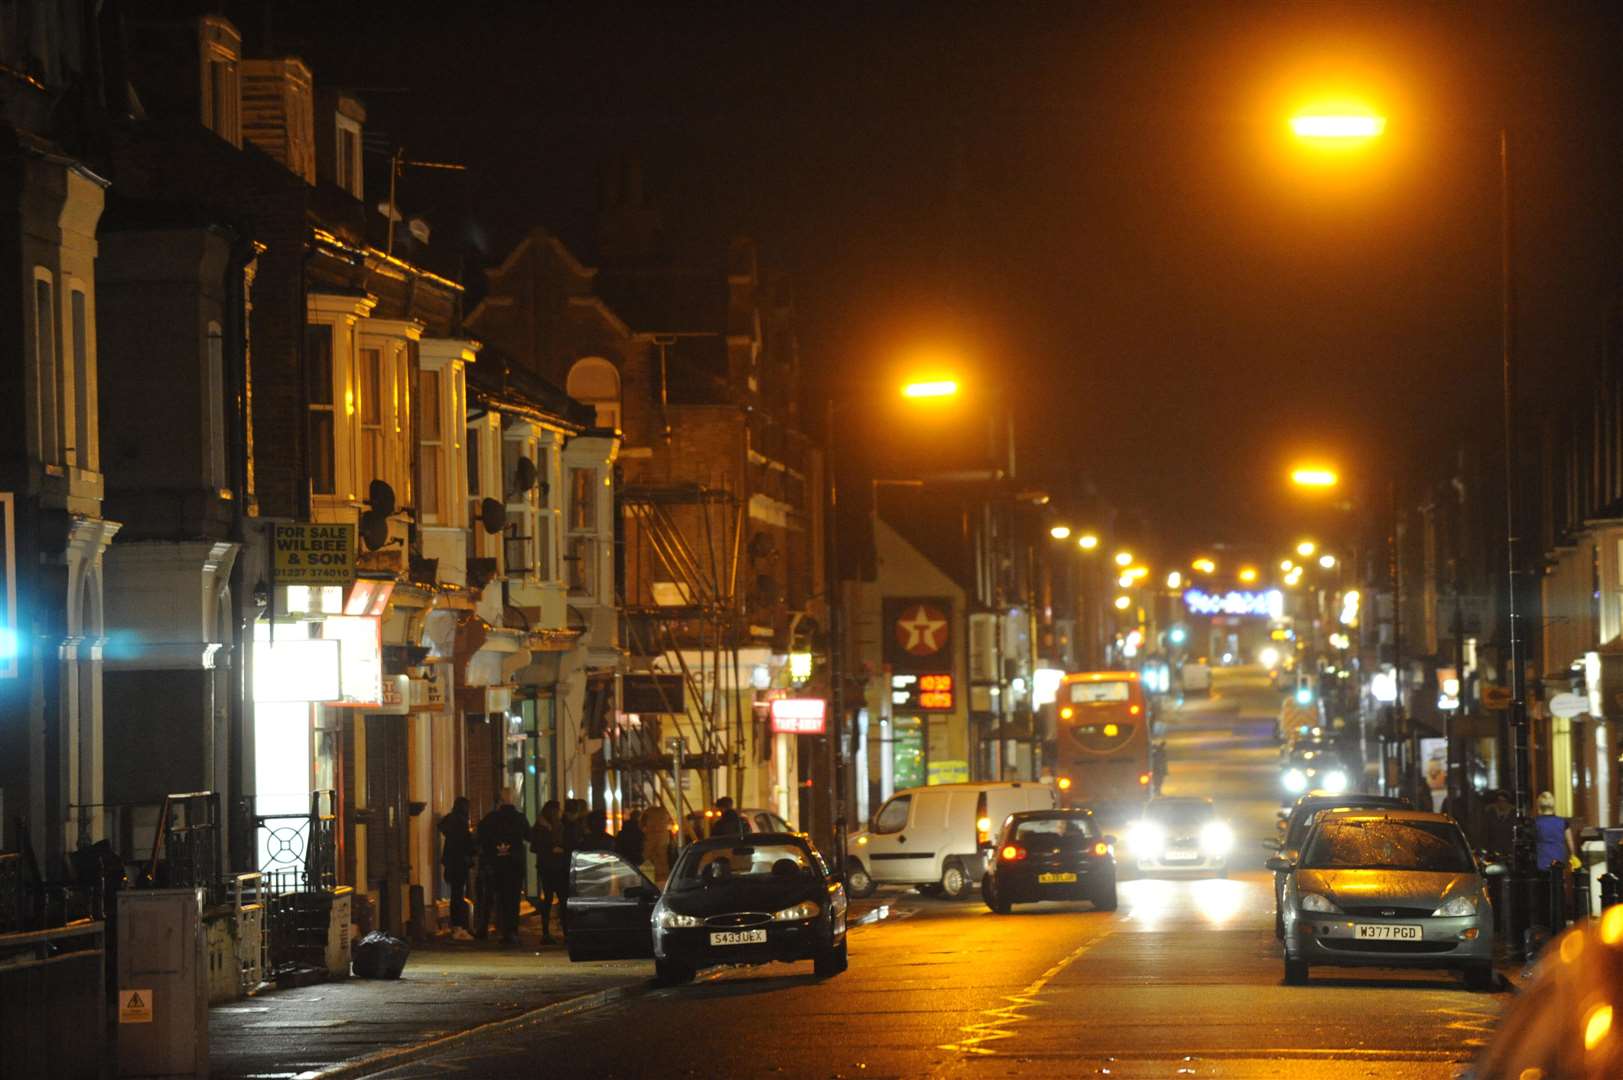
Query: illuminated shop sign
{"points": [[1269, 604], [296, 669], [799, 716], [922, 693], [360, 657]]}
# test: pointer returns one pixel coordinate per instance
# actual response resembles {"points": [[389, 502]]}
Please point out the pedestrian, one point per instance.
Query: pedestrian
{"points": [[502, 833], [1158, 764], [1552, 835], [456, 856], [595, 836], [629, 842], [727, 822], [1499, 825], [657, 832], [551, 867]]}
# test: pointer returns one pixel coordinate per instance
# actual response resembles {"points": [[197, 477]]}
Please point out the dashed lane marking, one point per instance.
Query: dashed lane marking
{"points": [[1002, 1019]]}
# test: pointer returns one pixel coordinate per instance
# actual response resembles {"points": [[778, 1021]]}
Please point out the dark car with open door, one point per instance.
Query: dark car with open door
{"points": [[1051, 855], [754, 899]]}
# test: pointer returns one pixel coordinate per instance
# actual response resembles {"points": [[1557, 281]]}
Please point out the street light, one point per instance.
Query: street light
{"points": [[1327, 561], [1122, 603], [1286, 566], [1314, 476], [1088, 541], [930, 388], [1337, 127], [1306, 548], [1247, 575], [1174, 580], [1060, 532], [1124, 559], [1204, 565]]}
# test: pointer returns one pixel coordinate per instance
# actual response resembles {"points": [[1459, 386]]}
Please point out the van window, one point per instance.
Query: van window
{"points": [[892, 817]]}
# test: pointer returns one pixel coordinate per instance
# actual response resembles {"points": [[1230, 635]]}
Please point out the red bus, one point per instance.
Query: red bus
{"points": [[1103, 740]]}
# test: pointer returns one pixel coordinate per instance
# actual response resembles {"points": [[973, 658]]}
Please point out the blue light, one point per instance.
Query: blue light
{"points": [[1177, 635], [1304, 696]]}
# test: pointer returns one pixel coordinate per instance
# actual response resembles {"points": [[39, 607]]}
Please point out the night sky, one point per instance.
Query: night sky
{"points": [[1097, 205]]}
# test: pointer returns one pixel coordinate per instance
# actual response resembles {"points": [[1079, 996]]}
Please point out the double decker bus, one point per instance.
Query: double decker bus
{"points": [[1103, 740]]}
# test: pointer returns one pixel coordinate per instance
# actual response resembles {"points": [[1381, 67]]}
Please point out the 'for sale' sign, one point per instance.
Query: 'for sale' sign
{"points": [[310, 554]]}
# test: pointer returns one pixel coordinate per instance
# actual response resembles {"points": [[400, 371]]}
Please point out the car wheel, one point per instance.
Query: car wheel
{"points": [[955, 883], [671, 973], [859, 883], [1479, 977], [830, 962], [1104, 898], [1295, 972], [994, 901]]}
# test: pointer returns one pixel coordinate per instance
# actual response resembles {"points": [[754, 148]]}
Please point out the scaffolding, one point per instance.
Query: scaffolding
{"points": [[682, 614]]}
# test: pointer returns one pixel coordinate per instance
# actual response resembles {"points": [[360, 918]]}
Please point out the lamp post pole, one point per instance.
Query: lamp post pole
{"points": [[836, 642]]}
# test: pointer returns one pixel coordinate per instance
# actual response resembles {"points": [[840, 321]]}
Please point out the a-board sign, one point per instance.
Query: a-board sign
{"points": [[308, 553]]}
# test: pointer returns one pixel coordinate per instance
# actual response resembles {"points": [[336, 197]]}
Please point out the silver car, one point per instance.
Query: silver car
{"points": [[1387, 888]]}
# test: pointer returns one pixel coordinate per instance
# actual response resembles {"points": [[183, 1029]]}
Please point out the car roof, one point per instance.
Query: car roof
{"points": [[1383, 813], [748, 840], [994, 785], [1058, 811], [1319, 799], [1168, 800]]}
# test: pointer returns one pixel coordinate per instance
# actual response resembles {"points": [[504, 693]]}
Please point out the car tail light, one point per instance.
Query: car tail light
{"points": [[1064, 783], [1101, 848], [1144, 779], [983, 822], [1066, 713], [1012, 853], [1132, 710]]}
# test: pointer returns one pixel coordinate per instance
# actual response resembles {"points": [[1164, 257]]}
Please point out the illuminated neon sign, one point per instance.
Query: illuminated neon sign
{"points": [[1268, 605], [799, 716]]}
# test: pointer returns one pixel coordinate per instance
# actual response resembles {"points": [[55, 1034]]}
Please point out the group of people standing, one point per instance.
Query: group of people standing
{"points": [[491, 856]]}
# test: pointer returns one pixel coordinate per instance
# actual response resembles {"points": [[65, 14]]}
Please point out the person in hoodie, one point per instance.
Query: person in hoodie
{"points": [[456, 856], [502, 834]]}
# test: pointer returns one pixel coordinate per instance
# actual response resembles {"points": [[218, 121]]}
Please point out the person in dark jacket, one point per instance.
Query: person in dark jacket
{"points": [[552, 867], [501, 840], [595, 837], [727, 821], [456, 856], [629, 841]]}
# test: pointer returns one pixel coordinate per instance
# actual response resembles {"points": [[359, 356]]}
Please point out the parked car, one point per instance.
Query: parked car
{"points": [[1562, 1022], [1180, 833], [752, 899], [1293, 828], [1051, 855], [1387, 888], [938, 838], [764, 821]]}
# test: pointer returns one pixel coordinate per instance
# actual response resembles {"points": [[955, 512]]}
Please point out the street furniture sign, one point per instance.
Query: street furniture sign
{"points": [[1566, 706], [135, 1006], [1496, 698], [307, 553]]}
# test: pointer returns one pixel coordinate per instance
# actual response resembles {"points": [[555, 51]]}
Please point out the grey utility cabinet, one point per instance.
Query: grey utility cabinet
{"points": [[162, 1001]]}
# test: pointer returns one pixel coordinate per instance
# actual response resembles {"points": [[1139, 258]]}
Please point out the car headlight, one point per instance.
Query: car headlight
{"points": [[808, 909], [1314, 902], [1334, 780], [1295, 781], [1216, 838], [670, 920], [1459, 905], [1146, 839]]}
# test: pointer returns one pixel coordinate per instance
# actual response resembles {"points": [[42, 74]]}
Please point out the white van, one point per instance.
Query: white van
{"points": [[938, 837], [1197, 679]]}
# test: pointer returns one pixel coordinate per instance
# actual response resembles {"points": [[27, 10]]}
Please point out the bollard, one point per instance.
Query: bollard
{"points": [[1558, 897], [1611, 890]]}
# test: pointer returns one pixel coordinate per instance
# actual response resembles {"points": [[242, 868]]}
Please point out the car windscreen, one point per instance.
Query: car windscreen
{"points": [[1386, 844], [1051, 833], [1302, 817], [1178, 813], [719, 866], [1100, 693]]}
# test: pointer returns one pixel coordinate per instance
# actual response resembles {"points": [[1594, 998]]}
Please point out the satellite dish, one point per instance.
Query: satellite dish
{"points": [[374, 528], [762, 546], [523, 475], [380, 497], [492, 515]]}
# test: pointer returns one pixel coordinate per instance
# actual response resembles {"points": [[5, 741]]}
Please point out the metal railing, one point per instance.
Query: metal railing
{"points": [[299, 852]]}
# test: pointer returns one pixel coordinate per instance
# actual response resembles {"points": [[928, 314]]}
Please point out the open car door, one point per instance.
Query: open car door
{"points": [[610, 906]]}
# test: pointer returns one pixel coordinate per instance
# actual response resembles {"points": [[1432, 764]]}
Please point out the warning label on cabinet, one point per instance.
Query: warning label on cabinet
{"points": [[135, 1006]]}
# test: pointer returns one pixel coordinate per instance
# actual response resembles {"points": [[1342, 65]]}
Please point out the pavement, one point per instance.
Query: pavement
{"points": [[1183, 980]]}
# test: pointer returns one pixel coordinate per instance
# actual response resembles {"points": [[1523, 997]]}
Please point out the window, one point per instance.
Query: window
{"points": [[84, 398], [372, 467], [596, 382], [319, 394], [430, 454], [50, 414], [582, 499], [214, 407], [476, 489], [349, 159], [582, 579], [892, 817], [603, 875]]}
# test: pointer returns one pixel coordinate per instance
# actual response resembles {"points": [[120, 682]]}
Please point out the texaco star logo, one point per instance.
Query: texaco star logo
{"points": [[922, 630]]}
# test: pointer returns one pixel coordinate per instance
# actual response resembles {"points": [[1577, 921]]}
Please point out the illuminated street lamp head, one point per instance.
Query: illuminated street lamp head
{"points": [[1124, 558], [1306, 548], [1174, 580], [1314, 476], [1060, 532], [1126, 581], [1341, 127], [1286, 566], [1205, 566], [1087, 541], [930, 388], [1122, 603], [1327, 561], [1248, 575]]}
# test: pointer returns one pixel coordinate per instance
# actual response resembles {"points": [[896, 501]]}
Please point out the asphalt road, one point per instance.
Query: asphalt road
{"points": [[1184, 980]]}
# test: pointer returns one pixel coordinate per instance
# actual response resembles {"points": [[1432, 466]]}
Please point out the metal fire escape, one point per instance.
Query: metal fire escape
{"points": [[682, 615]]}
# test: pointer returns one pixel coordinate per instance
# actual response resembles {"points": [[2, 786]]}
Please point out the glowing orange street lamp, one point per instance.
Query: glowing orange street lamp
{"points": [[1341, 127], [1314, 476], [930, 388]]}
